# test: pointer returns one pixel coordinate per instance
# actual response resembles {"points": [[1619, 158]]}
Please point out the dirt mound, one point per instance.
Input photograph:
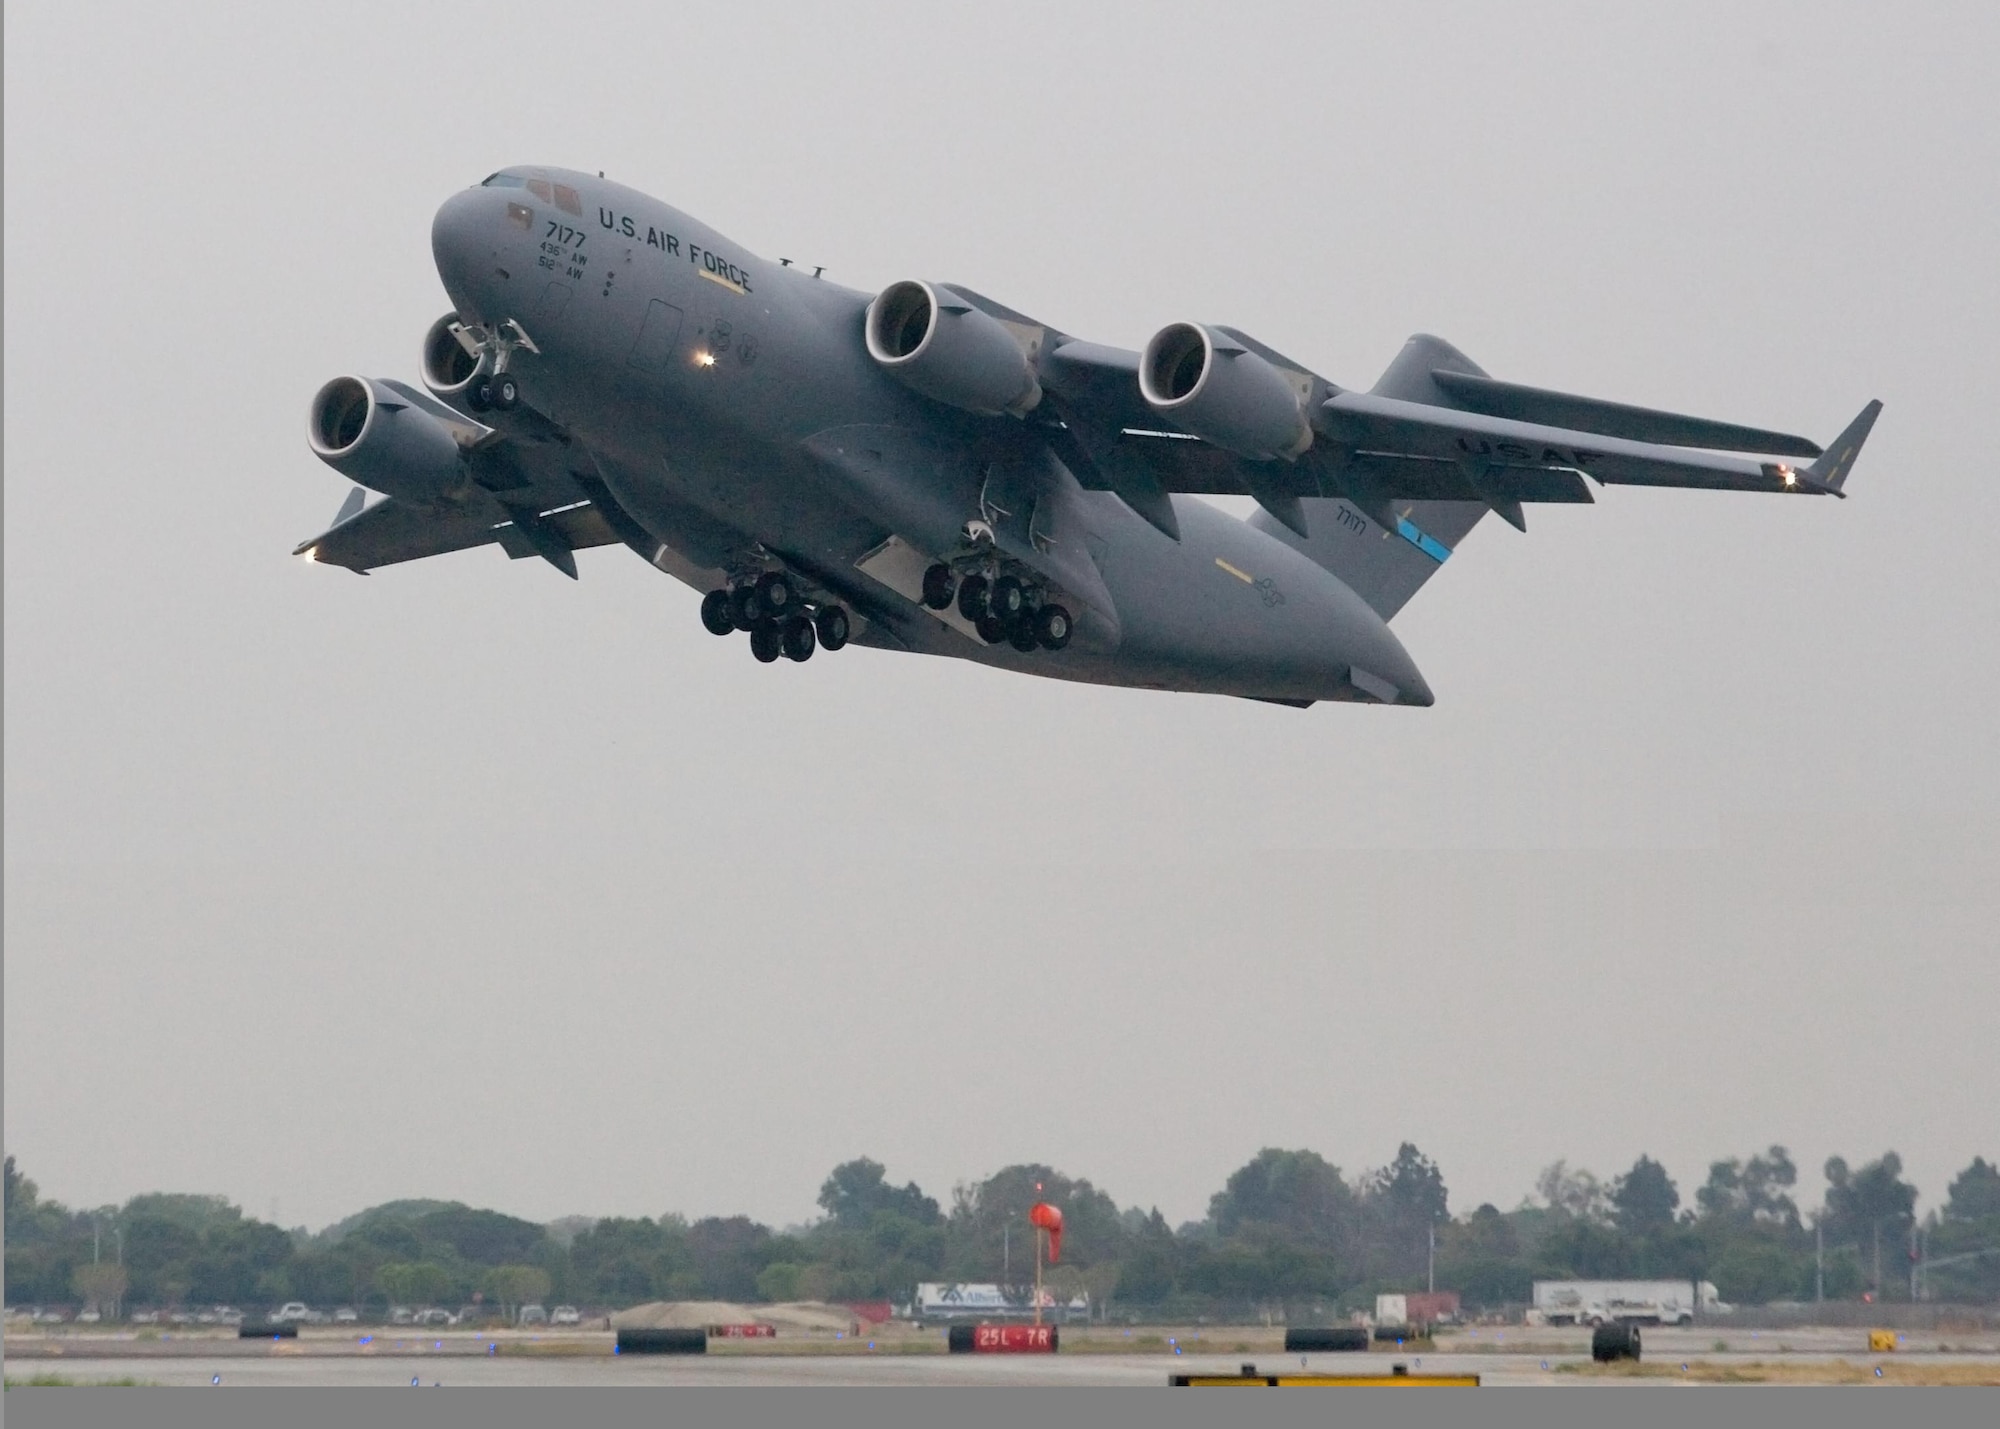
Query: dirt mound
{"points": [[796, 1318]]}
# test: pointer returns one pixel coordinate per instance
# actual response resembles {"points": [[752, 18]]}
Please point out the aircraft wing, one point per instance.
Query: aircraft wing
{"points": [[1378, 451], [531, 492], [393, 531]]}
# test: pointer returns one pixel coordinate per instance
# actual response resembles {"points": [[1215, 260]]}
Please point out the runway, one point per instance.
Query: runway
{"points": [[1552, 1358]]}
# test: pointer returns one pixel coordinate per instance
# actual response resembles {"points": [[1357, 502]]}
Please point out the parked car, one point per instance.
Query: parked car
{"points": [[228, 1315], [346, 1315], [292, 1312], [402, 1315], [145, 1317], [88, 1317], [434, 1316], [532, 1315], [565, 1315]]}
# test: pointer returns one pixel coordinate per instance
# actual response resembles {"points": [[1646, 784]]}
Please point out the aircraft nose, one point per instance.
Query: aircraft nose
{"points": [[469, 243]]}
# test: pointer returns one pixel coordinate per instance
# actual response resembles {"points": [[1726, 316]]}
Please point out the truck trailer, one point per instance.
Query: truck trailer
{"points": [[1628, 1302]]}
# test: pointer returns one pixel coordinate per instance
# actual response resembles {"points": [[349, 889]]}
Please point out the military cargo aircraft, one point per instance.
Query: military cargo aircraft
{"points": [[923, 469]]}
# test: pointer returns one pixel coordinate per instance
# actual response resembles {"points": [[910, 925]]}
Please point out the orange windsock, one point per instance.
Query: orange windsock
{"points": [[1046, 1217]]}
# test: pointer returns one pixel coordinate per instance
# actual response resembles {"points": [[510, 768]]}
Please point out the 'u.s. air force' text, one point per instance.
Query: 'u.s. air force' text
{"points": [[668, 244]]}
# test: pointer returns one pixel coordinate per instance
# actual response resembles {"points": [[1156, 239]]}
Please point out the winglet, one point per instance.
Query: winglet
{"points": [[1831, 470]]}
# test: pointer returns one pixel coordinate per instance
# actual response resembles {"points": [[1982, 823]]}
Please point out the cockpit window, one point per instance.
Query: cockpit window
{"points": [[567, 200], [540, 189], [503, 181]]}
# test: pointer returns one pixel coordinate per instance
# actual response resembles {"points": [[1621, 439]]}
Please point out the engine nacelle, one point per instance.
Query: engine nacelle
{"points": [[371, 433], [945, 348], [1222, 392], [449, 369]]}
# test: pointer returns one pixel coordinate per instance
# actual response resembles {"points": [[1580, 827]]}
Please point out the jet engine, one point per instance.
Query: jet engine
{"points": [[1222, 392], [372, 434], [932, 340], [448, 368]]}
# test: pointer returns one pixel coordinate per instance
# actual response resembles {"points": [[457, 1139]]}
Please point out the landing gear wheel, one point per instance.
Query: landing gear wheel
{"points": [[776, 595], [715, 613], [479, 396], [939, 586], [1053, 627], [767, 642], [1021, 634], [992, 629], [972, 597], [831, 624], [505, 392], [798, 641], [743, 607], [1008, 599]]}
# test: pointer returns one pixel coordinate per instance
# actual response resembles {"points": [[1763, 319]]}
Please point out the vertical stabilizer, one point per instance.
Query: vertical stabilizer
{"points": [[1386, 565]]}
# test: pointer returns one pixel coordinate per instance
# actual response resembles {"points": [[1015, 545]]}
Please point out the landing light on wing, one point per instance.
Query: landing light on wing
{"points": [[311, 553], [1789, 477], [704, 359]]}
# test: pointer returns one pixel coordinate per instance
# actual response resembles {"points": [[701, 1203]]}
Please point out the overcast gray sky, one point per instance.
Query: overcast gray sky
{"points": [[466, 881]]}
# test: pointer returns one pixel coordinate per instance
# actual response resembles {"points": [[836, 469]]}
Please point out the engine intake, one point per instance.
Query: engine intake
{"points": [[935, 342], [1222, 392], [372, 434], [448, 368]]}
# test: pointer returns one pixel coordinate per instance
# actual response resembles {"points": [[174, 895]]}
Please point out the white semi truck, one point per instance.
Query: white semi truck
{"points": [[1633, 1302]]}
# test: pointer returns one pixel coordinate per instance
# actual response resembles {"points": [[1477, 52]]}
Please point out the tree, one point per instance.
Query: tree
{"points": [[1754, 1191], [422, 1282], [1299, 1191], [101, 1284], [1975, 1192], [1865, 1207], [1408, 1201], [482, 1237], [1644, 1199], [1570, 1193], [856, 1190], [728, 1253], [517, 1285]]}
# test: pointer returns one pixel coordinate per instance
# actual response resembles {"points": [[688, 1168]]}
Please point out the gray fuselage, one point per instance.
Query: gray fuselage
{"points": [[732, 407]]}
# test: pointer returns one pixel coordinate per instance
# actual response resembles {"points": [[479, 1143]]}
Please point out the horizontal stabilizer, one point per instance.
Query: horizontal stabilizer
{"points": [[1612, 419]]}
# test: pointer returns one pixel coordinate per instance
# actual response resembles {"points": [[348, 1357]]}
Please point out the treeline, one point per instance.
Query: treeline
{"points": [[1287, 1229]]}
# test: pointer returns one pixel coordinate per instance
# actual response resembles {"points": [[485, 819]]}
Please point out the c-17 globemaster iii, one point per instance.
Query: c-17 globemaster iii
{"points": [[924, 469]]}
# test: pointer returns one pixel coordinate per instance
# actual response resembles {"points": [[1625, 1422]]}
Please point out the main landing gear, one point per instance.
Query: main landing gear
{"points": [[774, 610], [1000, 608]]}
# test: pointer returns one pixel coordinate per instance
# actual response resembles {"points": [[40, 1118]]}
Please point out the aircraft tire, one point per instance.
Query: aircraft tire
{"points": [[797, 640], [505, 391], [767, 641], [775, 593], [972, 597], [1021, 634], [939, 586], [479, 396], [716, 615], [832, 627], [743, 607], [992, 629], [1008, 599], [1053, 627]]}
